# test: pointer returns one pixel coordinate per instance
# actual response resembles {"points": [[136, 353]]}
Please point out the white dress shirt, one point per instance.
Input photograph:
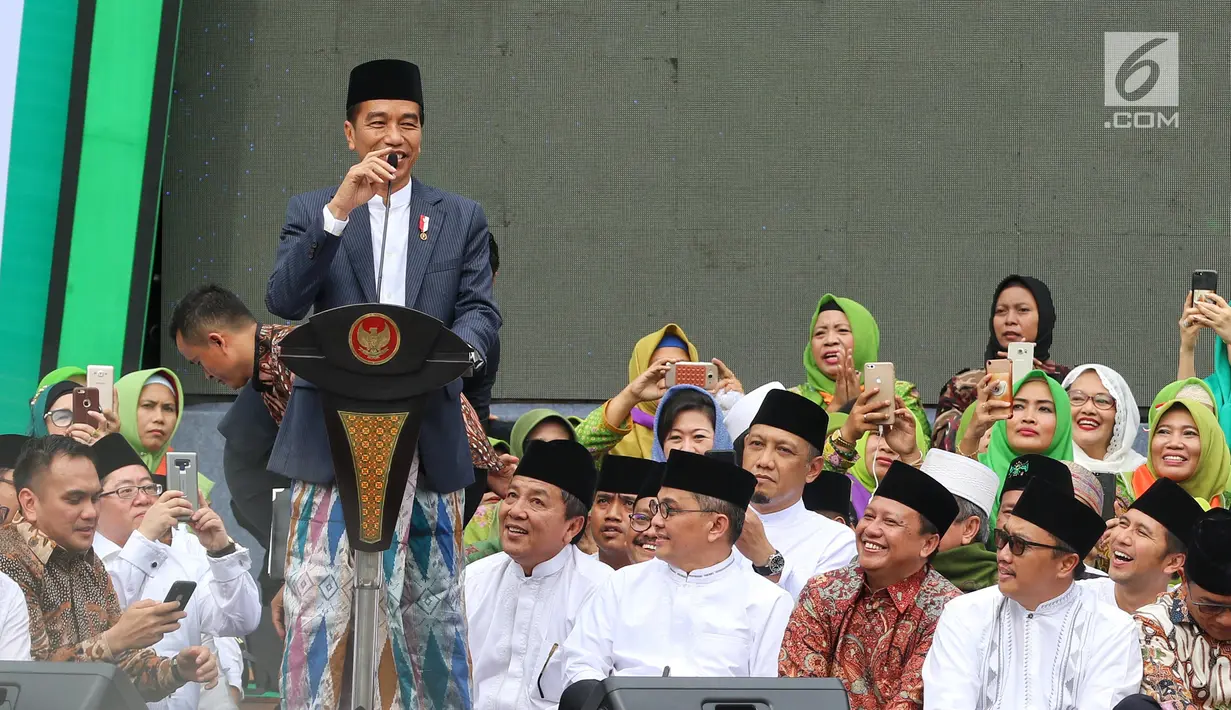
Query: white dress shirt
{"points": [[14, 622], [226, 601], [1104, 589], [1074, 651], [810, 544], [515, 623], [720, 621], [393, 285]]}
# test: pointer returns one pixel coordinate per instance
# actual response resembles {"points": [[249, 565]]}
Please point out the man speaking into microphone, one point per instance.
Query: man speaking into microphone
{"points": [[381, 235]]}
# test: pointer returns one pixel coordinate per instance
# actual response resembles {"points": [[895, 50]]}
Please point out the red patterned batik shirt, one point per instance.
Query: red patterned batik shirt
{"points": [[875, 642]]}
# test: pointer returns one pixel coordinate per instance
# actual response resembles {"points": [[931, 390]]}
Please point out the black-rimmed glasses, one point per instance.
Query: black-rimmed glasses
{"points": [[60, 417], [1210, 608], [129, 492], [641, 521], [1017, 544]]}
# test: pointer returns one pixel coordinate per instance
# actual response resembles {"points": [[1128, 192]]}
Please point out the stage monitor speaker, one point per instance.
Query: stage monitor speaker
{"points": [[648, 693], [26, 685]]}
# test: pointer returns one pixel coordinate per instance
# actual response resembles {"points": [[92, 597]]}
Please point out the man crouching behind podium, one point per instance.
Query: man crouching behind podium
{"points": [[435, 261]]}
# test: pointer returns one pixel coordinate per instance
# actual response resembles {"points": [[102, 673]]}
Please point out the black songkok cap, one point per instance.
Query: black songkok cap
{"points": [[1058, 512], [831, 491], [1209, 556], [1172, 506], [113, 452], [385, 79], [709, 477], [794, 414], [922, 493], [10, 449], [1030, 466], [564, 464], [628, 475]]}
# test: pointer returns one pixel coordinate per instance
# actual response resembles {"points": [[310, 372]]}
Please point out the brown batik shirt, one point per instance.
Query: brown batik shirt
{"points": [[71, 603]]}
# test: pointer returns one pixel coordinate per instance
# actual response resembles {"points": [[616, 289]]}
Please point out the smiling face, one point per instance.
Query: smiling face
{"points": [[782, 465], [1139, 550], [890, 540], [642, 545], [387, 123], [1092, 425], [1175, 448], [609, 523], [832, 339], [157, 412], [1016, 318], [691, 431], [535, 528], [1033, 425], [118, 518]]}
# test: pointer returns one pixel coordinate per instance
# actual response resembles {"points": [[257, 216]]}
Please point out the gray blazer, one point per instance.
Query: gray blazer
{"points": [[448, 276]]}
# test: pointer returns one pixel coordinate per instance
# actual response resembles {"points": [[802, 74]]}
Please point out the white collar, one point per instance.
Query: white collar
{"points": [[104, 547], [547, 568], [1055, 606], [397, 200], [786, 515], [705, 575]]}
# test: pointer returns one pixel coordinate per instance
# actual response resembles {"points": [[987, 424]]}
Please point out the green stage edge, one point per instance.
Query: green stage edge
{"points": [[40, 114], [115, 137]]}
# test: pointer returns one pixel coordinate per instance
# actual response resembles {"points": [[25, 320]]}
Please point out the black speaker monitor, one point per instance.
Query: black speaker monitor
{"points": [[648, 693], [26, 685]]}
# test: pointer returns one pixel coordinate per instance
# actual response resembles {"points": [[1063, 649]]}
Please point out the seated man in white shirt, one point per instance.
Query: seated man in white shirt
{"points": [[145, 550], [1037, 639], [783, 540], [619, 482], [694, 610], [521, 603], [1149, 545]]}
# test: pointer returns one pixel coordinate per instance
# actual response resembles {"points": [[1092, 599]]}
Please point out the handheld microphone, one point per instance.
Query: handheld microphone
{"points": [[384, 232]]}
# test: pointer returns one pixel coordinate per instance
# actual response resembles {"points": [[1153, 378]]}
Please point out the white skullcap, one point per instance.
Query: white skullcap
{"points": [[740, 416], [964, 477]]}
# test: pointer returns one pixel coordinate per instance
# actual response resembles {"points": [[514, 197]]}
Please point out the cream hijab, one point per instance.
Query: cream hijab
{"points": [[1120, 455]]}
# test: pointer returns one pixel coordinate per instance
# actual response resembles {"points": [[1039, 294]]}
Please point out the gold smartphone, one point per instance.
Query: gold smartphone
{"points": [[1002, 376], [881, 375]]}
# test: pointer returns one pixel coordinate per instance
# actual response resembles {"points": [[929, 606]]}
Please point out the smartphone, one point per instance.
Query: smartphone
{"points": [[1108, 482], [85, 400], [102, 377], [1002, 375], [180, 592], [881, 374], [182, 475], [723, 455], [1022, 357], [279, 534], [699, 374], [1205, 282]]}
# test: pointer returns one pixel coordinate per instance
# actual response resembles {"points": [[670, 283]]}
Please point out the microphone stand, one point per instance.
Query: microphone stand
{"points": [[384, 232]]}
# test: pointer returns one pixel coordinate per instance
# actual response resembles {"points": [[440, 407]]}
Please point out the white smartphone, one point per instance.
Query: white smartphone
{"points": [[182, 475], [881, 375], [1022, 357], [102, 377]]}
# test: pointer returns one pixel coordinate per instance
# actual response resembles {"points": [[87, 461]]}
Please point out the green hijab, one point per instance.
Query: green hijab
{"points": [[860, 469], [128, 389], [1171, 392], [864, 331], [526, 424], [1214, 469], [61, 374], [999, 454]]}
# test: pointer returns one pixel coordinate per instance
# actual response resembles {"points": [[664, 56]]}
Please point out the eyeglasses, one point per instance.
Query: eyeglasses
{"points": [[1018, 545], [641, 521], [1207, 607], [130, 492], [1101, 401], [60, 417]]}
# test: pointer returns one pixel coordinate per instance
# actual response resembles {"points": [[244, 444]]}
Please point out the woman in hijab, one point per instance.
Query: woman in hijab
{"points": [[51, 410], [1105, 420], [1038, 422], [1022, 312], [151, 404], [1214, 313], [689, 419], [624, 424], [867, 462], [842, 338], [1186, 445]]}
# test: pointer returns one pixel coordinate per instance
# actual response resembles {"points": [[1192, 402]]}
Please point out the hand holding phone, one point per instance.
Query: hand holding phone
{"points": [[881, 375], [698, 374], [180, 593], [182, 475], [85, 400], [102, 378], [1205, 282], [1021, 355], [1001, 372]]}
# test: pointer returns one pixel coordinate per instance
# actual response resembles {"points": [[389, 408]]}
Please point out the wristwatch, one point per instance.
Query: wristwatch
{"points": [[774, 565], [229, 549]]}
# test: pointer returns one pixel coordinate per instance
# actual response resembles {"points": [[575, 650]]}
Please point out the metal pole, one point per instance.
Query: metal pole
{"points": [[369, 585]]}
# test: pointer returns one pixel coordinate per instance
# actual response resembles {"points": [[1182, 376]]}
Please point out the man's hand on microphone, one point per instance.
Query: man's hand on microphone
{"points": [[362, 182]]}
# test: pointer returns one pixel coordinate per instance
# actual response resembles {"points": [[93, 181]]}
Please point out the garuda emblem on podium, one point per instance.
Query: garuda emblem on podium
{"points": [[374, 339]]}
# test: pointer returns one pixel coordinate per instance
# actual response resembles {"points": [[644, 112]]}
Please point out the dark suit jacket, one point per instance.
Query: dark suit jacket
{"points": [[448, 276]]}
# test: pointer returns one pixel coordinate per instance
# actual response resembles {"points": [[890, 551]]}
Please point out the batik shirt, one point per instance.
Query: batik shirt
{"points": [[1185, 669], [875, 642], [71, 603]]}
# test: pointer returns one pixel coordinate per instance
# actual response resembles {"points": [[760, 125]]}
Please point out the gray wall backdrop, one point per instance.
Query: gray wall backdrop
{"points": [[723, 164]]}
